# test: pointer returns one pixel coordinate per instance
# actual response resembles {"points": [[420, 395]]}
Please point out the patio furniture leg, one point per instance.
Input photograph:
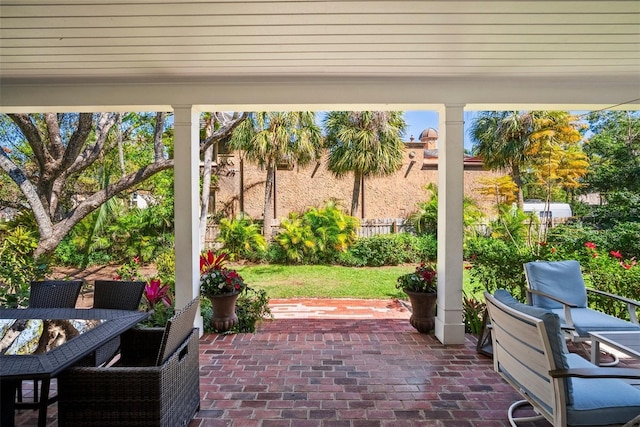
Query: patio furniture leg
{"points": [[7, 402], [43, 403]]}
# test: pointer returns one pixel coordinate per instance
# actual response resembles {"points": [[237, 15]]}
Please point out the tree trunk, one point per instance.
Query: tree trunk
{"points": [[268, 208], [158, 147], [362, 198], [123, 171], [206, 189], [355, 198], [517, 179]]}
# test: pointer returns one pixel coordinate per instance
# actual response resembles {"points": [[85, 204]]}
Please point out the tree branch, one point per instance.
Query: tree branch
{"points": [[158, 147], [29, 130], [50, 240], [228, 126], [28, 189], [83, 160], [55, 140], [78, 139], [90, 204]]}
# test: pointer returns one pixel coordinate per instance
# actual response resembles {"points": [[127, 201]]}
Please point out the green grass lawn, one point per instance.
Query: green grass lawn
{"points": [[325, 281]]}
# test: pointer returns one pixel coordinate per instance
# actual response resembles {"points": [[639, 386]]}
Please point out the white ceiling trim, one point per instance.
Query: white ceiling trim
{"points": [[56, 53]]}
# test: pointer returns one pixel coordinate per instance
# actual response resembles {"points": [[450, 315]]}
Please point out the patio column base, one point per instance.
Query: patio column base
{"points": [[451, 333]]}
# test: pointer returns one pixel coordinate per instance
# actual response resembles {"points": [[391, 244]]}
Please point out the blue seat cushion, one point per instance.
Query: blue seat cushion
{"points": [[600, 401], [562, 279], [586, 320]]}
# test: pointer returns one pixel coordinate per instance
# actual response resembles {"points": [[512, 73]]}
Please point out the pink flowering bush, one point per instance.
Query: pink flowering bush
{"points": [[611, 272]]}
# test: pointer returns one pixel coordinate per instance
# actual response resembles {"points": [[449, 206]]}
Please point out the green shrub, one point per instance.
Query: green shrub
{"points": [[241, 238], [317, 236], [276, 254], [334, 231], [390, 249], [622, 206], [296, 240], [67, 253], [17, 265], [383, 249], [496, 264], [143, 233], [166, 266], [425, 247], [622, 237], [425, 219], [571, 238]]}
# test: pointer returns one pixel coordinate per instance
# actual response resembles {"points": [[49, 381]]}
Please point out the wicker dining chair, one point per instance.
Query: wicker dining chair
{"points": [[117, 295], [48, 294], [54, 293]]}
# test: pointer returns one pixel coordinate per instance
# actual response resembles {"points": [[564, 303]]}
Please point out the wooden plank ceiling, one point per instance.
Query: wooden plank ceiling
{"points": [[43, 40]]}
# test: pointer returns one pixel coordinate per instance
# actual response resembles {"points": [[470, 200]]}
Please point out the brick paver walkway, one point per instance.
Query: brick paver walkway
{"points": [[325, 363]]}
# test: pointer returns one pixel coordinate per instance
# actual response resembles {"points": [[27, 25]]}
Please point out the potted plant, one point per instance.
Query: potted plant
{"points": [[221, 286], [421, 287]]}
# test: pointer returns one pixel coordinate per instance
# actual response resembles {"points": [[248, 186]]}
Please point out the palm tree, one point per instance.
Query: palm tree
{"points": [[367, 143], [269, 138], [519, 140], [502, 139]]}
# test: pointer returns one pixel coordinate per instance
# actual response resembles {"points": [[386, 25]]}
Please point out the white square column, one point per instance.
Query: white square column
{"points": [[449, 328], [186, 205]]}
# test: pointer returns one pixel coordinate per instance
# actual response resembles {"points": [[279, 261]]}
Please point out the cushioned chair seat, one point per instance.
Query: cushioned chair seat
{"points": [[600, 401], [586, 320]]}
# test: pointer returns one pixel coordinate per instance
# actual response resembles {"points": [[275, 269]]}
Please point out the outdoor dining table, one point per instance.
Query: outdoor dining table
{"points": [[66, 336]]}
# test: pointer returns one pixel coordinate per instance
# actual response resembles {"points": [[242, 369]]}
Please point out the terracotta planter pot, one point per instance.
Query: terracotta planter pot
{"points": [[224, 311], [423, 316]]}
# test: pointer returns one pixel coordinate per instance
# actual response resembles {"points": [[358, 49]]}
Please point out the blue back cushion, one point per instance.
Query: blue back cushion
{"points": [[562, 279]]}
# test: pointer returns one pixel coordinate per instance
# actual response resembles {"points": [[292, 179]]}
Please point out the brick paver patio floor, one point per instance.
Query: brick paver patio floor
{"points": [[335, 363]]}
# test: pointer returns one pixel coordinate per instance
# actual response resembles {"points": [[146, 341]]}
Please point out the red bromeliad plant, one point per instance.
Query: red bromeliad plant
{"points": [[215, 278], [158, 301], [156, 293]]}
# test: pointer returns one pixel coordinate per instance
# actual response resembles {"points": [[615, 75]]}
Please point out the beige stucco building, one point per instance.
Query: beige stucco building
{"points": [[298, 188]]}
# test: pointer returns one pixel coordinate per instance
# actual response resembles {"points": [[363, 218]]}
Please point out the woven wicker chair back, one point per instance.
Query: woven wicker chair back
{"points": [[177, 330], [117, 294], [54, 293]]}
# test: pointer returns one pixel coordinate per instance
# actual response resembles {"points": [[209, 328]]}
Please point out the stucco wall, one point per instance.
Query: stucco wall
{"points": [[389, 197]]}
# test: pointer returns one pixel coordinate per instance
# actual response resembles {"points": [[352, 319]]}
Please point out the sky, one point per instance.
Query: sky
{"points": [[417, 121]]}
